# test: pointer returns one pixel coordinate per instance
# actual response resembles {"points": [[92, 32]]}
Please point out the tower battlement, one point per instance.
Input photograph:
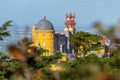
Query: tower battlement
{"points": [[70, 21]]}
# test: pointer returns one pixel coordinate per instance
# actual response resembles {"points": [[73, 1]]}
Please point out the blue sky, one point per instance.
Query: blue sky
{"points": [[29, 12]]}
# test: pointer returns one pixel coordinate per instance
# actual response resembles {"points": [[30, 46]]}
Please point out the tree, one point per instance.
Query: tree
{"points": [[3, 30], [110, 33], [28, 62], [85, 42]]}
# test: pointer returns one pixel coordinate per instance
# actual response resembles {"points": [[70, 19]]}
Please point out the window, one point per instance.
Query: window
{"points": [[44, 43], [52, 44], [37, 44], [52, 35], [43, 35], [36, 34]]}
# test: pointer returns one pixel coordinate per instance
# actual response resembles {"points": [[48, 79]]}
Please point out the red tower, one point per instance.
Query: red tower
{"points": [[70, 21]]}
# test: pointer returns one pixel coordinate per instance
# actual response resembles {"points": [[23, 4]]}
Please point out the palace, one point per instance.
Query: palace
{"points": [[43, 35]]}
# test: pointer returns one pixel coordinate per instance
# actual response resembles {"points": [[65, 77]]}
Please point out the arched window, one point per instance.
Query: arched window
{"points": [[44, 43]]}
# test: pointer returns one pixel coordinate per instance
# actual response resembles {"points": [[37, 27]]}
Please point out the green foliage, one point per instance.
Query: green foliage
{"points": [[41, 51], [81, 69], [78, 69], [79, 72], [57, 55], [92, 58], [27, 60], [88, 42], [3, 30], [108, 61], [8, 67]]}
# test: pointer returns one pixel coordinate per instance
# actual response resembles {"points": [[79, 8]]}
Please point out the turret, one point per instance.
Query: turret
{"points": [[70, 21]]}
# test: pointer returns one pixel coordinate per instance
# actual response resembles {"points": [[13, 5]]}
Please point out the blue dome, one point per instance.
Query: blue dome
{"points": [[44, 25]]}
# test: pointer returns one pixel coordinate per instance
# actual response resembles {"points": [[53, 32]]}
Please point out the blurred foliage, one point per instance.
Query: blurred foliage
{"points": [[38, 67], [26, 62], [110, 33], [3, 30]]}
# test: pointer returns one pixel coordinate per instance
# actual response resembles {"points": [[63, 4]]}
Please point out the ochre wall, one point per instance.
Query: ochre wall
{"points": [[45, 38]]}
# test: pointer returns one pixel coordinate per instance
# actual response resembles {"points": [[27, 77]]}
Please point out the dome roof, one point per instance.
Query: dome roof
{"points": [[44, 25]]}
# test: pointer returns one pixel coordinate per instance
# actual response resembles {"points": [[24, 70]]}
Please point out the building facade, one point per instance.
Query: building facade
{"points": [[64, 45], [43, 35]]}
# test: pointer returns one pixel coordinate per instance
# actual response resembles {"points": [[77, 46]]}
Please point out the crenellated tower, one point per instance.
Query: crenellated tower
{"points": [[70, 21], [69, 30]]}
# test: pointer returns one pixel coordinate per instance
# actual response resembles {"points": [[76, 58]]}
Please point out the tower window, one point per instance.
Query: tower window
{"points": [[72, 18], [36, 34], [52, 44], [44, 43], [68, 18], [43, 35], [52, 35]]}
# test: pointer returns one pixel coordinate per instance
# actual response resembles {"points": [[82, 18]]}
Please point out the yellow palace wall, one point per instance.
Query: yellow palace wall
{"points": [[45, 38]]}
